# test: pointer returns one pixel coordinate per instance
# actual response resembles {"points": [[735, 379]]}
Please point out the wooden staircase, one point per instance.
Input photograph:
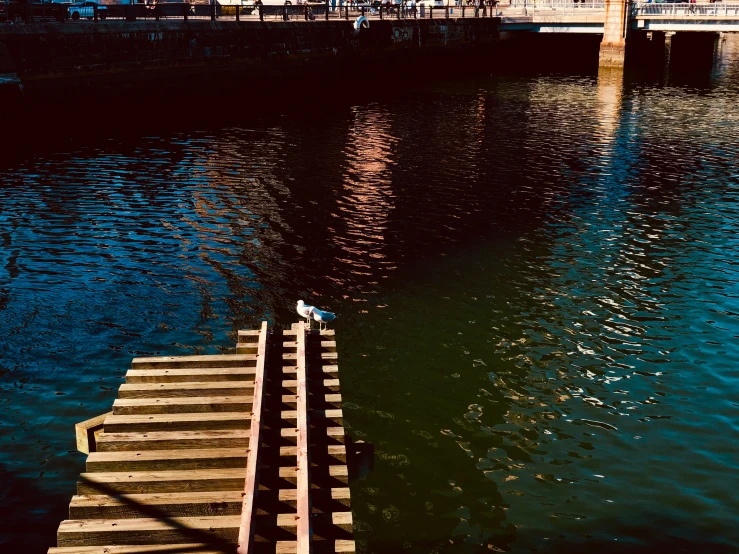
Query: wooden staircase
{"points": [[206, 454]]}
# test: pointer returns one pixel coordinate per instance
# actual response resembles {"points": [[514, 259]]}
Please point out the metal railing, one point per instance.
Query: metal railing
{"points": [[544, 7], [719, 9], [313, 11]]}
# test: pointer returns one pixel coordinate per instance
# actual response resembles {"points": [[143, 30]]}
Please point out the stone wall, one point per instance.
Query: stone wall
{"points": [[66, 56]]}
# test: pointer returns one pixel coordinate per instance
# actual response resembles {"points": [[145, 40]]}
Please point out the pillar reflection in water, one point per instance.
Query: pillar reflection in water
{"points": [[368, 200], [610, 87]]}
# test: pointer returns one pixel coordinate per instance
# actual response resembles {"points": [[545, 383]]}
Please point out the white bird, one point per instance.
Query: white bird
{"points": [[322, 317], [304, 310]]}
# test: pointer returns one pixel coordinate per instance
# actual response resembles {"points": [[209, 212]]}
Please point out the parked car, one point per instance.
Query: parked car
{"points": [[86, 9], [435, 3]]}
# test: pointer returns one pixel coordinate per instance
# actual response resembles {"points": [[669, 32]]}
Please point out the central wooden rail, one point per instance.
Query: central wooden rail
{"points": [[229, 453]]}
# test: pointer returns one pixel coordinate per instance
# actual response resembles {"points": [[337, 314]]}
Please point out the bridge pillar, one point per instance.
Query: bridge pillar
{"points": [[615, 30]]}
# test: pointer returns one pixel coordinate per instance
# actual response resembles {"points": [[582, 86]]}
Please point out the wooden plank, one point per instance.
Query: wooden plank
{"points": [[185, 404], [98, 532], [339, 547], [321, 386], [333, 454], [139, 549], [172, 362], [337, 499], [178, 422], [86, 433], [251, 484], [342, 520], [163, 440], [189, 374], [331, 415], [332, 435], [197, 389], [302, 516], [150, 482], [316, 372], [168, 460], [177, 504], [327, 476]]}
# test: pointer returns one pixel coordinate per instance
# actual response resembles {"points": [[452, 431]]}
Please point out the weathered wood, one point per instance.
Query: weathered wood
{"points": [[321, 371], [164, 440], [197, 389], [303, 509], [322, 500], [94, 532], [169, 460], [177, 422], [190, 375], [251, 485], [186, 404], [322, 476], [174, 462], [150, 482], [333, 454], [178, 504], [139, 549], [316, 415], [172, 362], [339, 546], [333, 435], [86, 433], [325, 385]]}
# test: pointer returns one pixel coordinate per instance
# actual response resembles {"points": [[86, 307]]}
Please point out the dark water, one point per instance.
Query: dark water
{"points": [[536, 279]]}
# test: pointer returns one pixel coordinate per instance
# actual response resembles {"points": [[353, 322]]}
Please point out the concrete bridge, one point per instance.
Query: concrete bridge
{"points": [[624, 24]]}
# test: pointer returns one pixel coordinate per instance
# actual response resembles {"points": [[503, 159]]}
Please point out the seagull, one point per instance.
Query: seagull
{"points": [[305, 311], [322, 317]]}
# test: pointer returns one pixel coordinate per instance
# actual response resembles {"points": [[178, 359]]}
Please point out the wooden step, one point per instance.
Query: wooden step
{"points": [[320, 547], [170, 460], [317, 417], [163, 440], [177, 422], [323, 386], [151, 482], [197, 389], [98, 532], [178, 504], [322, 500], [318, 402], [182, 362], [330, 435], [324, 371], [204, 404], [201, 548], [209, 374], [321, 476], [333, 454], [281, 527]]}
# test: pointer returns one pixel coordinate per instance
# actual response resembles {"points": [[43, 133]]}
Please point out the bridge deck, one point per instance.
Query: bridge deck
{"points": [[204, 454]]}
